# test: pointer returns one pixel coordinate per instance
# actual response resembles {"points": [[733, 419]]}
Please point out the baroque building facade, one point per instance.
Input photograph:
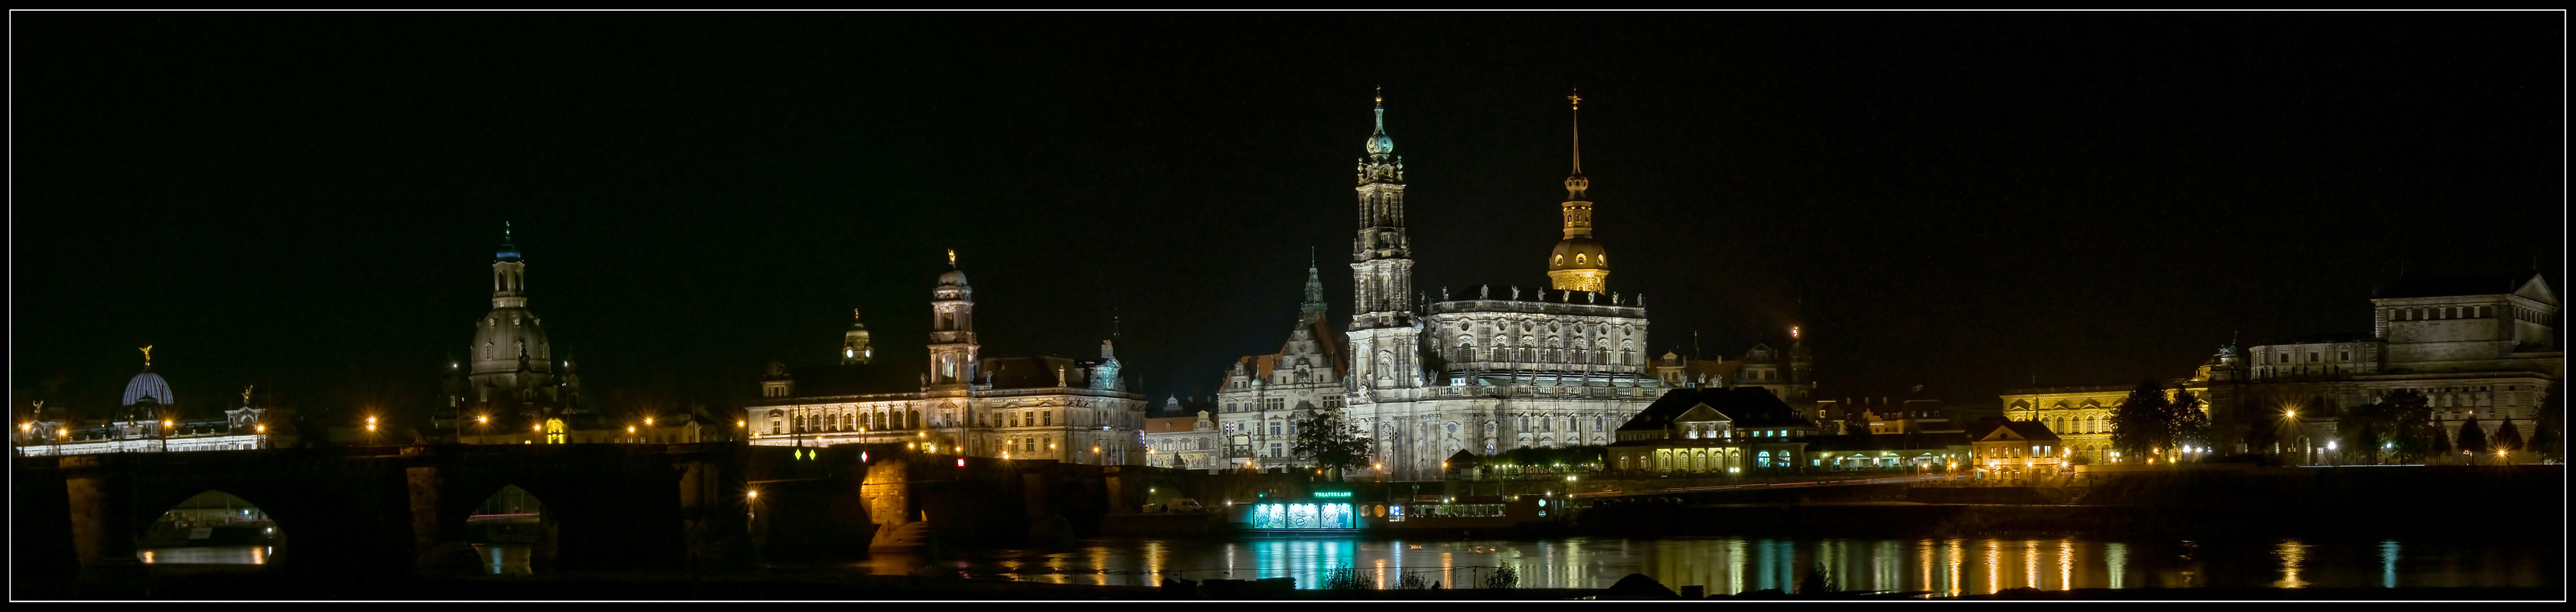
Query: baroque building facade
{"points": [[2477, 347], [964, 403], [1553, 367], [1263, 396], [148, 419]]}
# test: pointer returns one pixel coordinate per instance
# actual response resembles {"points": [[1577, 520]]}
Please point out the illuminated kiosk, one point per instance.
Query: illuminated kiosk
{"points": [[1325, 513], [1335, 513]]}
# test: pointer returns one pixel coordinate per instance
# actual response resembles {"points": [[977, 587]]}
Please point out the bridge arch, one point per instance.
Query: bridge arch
{"points": [[210, 527]]}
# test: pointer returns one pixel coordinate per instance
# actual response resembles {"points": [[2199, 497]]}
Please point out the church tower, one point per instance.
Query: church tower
{"points": [[854, 343], [1382, 324], [1578, 263], [952, 329]]}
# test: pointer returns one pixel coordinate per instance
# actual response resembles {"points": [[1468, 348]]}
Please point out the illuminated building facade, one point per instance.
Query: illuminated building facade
{"points": [[964, 403], [1262, 396], [2019, 453], [148, 419], [2482, 347], [1188, 443], [2080, 416], [1554, 367], [1712, 431]]}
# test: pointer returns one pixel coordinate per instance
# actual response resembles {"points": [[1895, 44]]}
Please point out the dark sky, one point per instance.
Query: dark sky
{"points": [[1963, 201]]}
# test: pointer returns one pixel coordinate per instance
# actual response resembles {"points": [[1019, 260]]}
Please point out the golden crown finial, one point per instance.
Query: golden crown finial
{"points": [[1577, 99], [147, 355], [1381, 95]]}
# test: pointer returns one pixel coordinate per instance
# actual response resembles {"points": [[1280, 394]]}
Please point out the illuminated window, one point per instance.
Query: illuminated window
{"points": [[1557, 261]]}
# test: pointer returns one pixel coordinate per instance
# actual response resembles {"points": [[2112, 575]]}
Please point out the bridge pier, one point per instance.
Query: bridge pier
{"points": [[714, 513], [101, 502], [438, 533]]}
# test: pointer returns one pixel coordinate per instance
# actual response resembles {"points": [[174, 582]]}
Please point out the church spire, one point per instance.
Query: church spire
{"points": [[1578, 262], [1313, 307]]}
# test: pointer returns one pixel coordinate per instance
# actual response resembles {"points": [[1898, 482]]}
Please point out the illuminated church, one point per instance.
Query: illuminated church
{"points": [[1503, 368]]}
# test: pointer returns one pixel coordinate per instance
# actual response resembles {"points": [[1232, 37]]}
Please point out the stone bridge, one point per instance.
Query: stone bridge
{"points": [[605, 506]]}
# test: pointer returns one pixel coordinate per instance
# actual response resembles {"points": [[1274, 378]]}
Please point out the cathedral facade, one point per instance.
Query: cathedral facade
{"points": [[964, 403], [1559, 366]]}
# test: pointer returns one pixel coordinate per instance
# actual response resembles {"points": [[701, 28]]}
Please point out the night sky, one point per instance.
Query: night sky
{"points": [[1969, 202]]}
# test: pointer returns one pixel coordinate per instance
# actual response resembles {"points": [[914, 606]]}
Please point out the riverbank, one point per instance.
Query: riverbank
{"points": [[198, 583]]}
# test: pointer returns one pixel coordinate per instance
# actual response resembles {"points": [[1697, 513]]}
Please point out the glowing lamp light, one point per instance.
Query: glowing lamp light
{"points": [[961, 462], [484, 418], [26, 426], [753, 495], [261, 428], [648, 420], [742, 423], [630, 429]]}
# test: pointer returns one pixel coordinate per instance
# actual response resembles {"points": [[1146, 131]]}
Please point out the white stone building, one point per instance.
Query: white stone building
{"points": [[964, 403], [1560, 366]]}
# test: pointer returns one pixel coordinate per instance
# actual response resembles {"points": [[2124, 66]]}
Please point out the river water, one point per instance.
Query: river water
{"points": [[1947, 566]]}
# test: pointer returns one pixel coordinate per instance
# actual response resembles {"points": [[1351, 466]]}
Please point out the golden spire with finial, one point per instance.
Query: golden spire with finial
{"points": [[147, 356], [1577, 100], [952, 258], [1381, 95]]}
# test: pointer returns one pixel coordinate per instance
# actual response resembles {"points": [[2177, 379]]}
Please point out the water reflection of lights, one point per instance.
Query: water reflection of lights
{"points": [[2115, 557], [1958, 561], [1928, 584], [1099, 565], [2292, 555], [2066, 564], [2030, 563], [1994, 566], [2388, 564], [1735, 566], [1153, 562]]}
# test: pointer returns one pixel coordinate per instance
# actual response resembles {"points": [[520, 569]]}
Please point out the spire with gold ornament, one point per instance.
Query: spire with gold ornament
{"points": [[1578, 263]]}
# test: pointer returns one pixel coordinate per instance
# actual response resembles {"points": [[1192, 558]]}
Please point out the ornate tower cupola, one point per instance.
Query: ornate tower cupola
{"points": [[1578, 263], [854, 343], [1384, 335], [952, 329], [1381, 257], [509, 274]]}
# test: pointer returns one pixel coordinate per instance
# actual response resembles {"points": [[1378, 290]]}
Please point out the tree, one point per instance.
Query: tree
{"points": [[2549, 425], [2361, 437], [2411, 435], [2184, 421], [2141, 423], [2473, 440], [2508, 438], [1332, 444]]}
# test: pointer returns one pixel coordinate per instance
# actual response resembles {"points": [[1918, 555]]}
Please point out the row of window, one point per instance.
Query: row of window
{"points": [[2313, 356]]}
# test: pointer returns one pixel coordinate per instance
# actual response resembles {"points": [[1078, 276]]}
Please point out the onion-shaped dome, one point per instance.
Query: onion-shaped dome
{"points": [[953, 277], [150, 385]]}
